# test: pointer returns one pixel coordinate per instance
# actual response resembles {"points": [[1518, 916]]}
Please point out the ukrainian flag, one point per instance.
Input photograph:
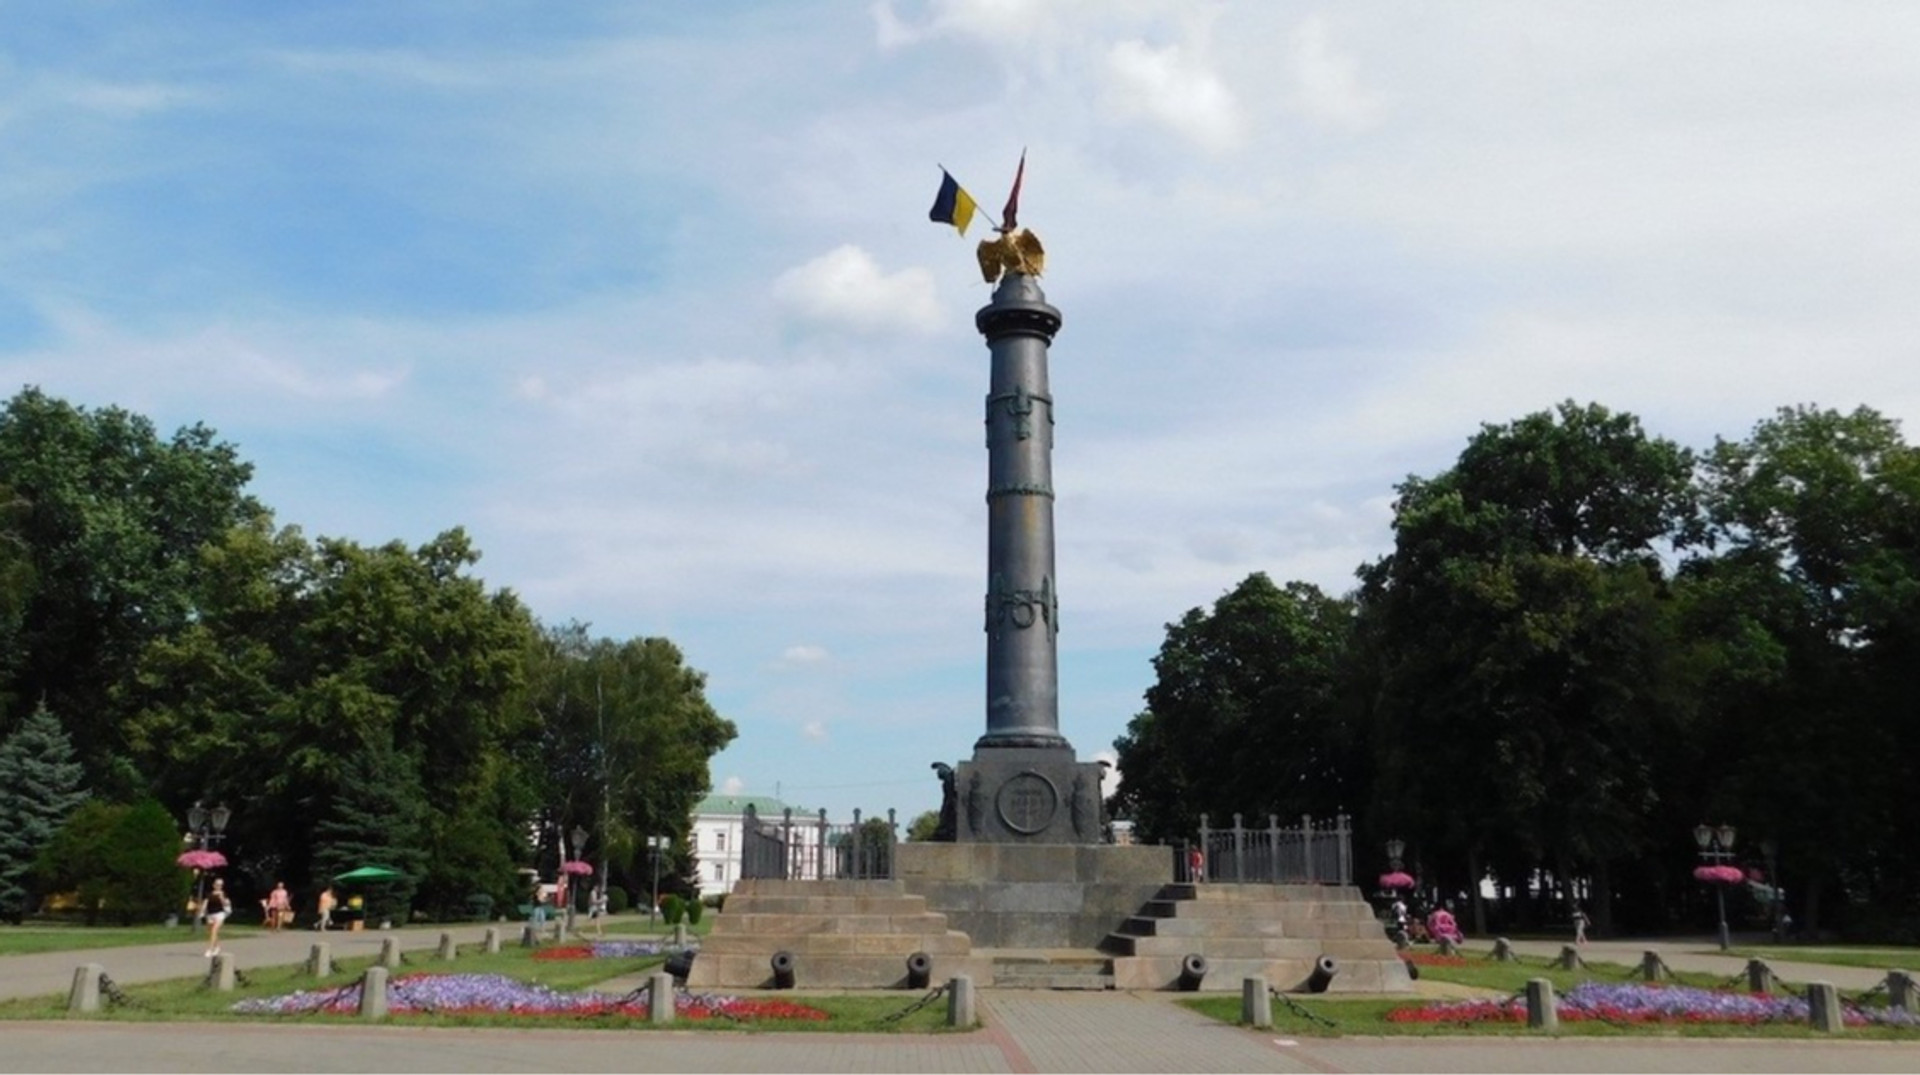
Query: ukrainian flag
{"points": [[952, 205]]}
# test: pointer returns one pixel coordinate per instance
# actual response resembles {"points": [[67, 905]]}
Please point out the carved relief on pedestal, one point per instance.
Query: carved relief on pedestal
{"points": [[1027, 803]]}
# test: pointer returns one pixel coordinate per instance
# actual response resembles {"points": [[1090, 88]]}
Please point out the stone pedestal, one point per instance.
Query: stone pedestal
{"points": [[1027, 795]]}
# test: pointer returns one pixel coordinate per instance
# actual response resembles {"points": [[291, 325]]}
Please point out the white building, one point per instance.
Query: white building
{"points": [[717, 823]]}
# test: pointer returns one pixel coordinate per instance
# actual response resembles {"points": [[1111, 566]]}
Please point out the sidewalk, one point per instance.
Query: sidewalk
{"points": [[1699, 954]]}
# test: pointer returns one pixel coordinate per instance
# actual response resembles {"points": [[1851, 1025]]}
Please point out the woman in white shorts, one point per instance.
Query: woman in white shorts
{"points": [[217, 907]]}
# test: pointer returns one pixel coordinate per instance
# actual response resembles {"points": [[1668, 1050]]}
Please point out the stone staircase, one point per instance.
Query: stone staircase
{"points": [[1244, 930], [841, 934], [1076, 969]]}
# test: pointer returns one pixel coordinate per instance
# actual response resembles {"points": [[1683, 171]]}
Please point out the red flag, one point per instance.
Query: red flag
{"points": [[1007, 221]]}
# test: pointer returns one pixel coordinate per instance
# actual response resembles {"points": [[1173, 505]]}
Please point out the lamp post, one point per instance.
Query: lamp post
{"points": [[1772, 850], [656, 846], [579, 835], [205, 827], [1716, 847]]}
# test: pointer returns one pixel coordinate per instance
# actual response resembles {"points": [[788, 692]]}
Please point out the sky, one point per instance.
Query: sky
{"points": [[645, 296]]}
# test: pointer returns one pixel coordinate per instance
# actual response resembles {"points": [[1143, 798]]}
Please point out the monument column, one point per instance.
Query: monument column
{"points": [[1024, 784], [1022, 598]]}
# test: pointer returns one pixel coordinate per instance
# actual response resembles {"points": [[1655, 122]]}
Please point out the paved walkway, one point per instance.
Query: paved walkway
{"points": [[1024, 1031]]}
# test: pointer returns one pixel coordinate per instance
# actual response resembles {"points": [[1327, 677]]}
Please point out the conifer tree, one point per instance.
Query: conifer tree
{"points": [[39, 788]]}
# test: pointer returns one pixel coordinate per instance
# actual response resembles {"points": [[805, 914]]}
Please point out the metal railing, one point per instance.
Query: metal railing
{"points": [[1314, 853], [812, 849]]}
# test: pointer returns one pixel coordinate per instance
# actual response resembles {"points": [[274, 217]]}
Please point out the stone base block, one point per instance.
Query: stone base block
{"points": [[1027, 795], [1033, 895]]}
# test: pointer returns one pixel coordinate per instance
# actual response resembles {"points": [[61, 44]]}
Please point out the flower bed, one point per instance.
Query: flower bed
{"points": [[610, 950], [1647, 1004], [497, 994], [1433, 959]]}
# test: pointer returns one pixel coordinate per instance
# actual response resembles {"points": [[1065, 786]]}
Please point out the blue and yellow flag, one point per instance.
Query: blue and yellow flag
{"points": [[952, 205]]}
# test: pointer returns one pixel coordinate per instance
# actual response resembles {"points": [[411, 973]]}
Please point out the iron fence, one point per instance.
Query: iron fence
{"points": [[812, 849], [1314, 853]]}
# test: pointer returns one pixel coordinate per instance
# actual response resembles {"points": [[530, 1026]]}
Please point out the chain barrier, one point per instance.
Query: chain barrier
{"points": [[935, 994], [116, 996], [1863, 997], [1301, 1010]]}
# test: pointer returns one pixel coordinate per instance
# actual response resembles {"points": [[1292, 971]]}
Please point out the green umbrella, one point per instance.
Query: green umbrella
{"points": [[369, 873]]}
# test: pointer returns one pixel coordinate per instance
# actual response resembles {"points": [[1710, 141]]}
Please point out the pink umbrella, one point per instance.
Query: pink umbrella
{"points": [[1719, 875], [575, 866], [1396, 879], [201, 860]]}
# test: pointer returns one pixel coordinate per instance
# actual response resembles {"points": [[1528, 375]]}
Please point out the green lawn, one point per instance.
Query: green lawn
{"points": [[1872, 958], [35, 938], [191, 999]]}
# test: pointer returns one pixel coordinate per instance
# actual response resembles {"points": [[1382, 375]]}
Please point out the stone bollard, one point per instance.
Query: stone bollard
{"points": [[1448, 948], [680, 934], [390, 953], [1541, 1014], [320, 960], [1652, 967], [493, 940], [1503, 950], [1823, 1007], [960, 1002], [660, 998], [1759, 977], [1900, 992], [529, 936], [85, 995], [1256, 1004], [448, 950], [223, 972], [373, 993], [1569, 958]]}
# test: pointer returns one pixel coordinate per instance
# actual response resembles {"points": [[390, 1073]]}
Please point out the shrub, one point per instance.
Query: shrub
{"points": [[617, 900], [693, 912], [672, 908], [717, 901]]}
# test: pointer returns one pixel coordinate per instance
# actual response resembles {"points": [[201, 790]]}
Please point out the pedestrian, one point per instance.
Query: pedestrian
{"points": [[1579, 925], [1196, 865], [216, 908], [538, 919], [597, 910], [279, 904], [325, 906]]}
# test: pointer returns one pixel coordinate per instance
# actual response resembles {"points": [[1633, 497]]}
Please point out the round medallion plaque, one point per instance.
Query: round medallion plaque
{"points": [[1027, 802]]}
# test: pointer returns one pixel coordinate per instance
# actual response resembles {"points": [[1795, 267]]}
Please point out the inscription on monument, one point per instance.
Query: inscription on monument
{"points": [[1027, 803]]}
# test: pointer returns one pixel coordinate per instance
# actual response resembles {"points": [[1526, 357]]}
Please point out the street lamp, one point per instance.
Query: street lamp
{"points": [[656, 846], [1772, 851], [205, 827], [1716, 846], [579, 847]]}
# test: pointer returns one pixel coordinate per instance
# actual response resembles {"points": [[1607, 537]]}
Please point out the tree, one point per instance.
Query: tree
{"points": [[377, 817], [1815, 597], [16, 589], [114, 519], [921, 828], [1243, 715], [40, 786], [118, 859], [621, 736], [1521, 634], [76, 859]]}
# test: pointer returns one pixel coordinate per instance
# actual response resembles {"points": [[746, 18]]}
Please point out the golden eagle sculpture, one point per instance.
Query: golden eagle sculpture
{"points": [[1015, 251]]}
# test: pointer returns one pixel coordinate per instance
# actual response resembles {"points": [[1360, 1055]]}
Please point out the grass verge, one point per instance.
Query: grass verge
{"points": [[34, 939], [192, 999], [1337, 1015]]}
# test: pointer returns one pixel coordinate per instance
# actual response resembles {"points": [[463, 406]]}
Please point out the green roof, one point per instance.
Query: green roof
{"points": [[728, 805]]}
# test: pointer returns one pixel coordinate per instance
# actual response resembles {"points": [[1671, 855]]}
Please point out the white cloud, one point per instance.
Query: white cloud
{"points": [[1326, 81], [814, 730], [1173, 89], [794, 656], [732, 785], [845, 289]]}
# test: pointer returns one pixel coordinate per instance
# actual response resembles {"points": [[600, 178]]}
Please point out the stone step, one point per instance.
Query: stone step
{"points": [[1092, 972], [949, 942], [1290, 910], [927, 922], [825, 905], [776, 887]]}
